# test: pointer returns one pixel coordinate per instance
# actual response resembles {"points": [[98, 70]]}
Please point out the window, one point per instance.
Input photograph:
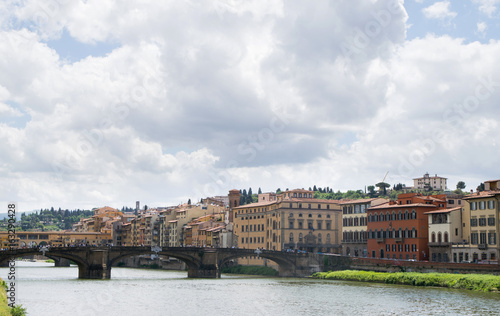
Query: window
{"points": [[319, 207], [445, 236], [482, 205], [319, 225], [439, 237], [492, 238], [413, 214], [327, 238], [491, 205], [310, 225], [473, 238], [300, 225], [291, 237], [310, 215], [473, 206], [300, 237], [491, 221], [328, 226], [300, 214], [482, 221], [320, 240], [433, 237], [291, 225], [309, 207], [473, 222], [482, 238]]}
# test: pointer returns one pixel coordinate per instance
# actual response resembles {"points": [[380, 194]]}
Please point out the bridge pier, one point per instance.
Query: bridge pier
{"points": [[208, 267], [96, 266]]}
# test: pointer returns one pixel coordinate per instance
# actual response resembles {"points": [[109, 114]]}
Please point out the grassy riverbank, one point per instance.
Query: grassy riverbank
{"points": [[252, 270], [475, 282], [4, 308]]}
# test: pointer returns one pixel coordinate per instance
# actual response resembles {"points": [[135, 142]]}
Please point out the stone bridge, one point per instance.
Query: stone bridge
{"points": [[96, 262]]}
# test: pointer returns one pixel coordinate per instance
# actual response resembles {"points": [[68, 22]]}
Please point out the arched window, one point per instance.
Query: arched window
{"points": [[407, 215], [400, 215], [440, 237], [381, 217], [320, 240], [433, 237], [393, 216], [291, 237], [407, 233], [300, 237], [413, 214], [414, 233], [387, 216], [375, 217], [327, 238], [445, 236]]}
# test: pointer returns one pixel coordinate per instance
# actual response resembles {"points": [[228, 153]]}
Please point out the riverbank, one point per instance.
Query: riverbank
{"points": [[250, 270], [474, 282], [4, 308]]}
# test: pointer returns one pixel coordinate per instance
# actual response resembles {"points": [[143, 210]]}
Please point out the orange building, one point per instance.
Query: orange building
{"points": [[399, 229]]}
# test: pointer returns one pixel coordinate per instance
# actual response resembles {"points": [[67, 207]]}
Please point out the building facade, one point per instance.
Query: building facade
{"points": [[399, 230], [290, 221], [445, 229], [481, 227], [354, 225], [430, 183]]}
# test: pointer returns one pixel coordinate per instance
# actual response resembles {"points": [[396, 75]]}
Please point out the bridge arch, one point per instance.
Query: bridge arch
{"points": [[190, 260], [286, 266], [21, 253]]}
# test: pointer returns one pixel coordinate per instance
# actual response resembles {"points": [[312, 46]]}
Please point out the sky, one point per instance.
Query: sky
{"points": [[112, 102]]}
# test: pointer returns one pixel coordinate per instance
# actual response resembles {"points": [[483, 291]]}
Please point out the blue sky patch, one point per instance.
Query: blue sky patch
{"points": [[70, 49]]}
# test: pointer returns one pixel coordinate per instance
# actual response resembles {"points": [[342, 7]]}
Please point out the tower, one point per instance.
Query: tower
{"points": [[234, 201]]}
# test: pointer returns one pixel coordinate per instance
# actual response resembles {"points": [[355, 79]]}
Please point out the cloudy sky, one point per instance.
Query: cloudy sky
{"points": [[109, 102]]}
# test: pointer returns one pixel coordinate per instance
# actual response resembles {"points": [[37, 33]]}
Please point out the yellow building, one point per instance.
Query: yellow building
{"points": [[290, 221], [481, 226], [354, 223]]}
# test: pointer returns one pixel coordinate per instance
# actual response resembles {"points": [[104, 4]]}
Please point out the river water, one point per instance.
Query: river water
{"points": [[46, 290]]}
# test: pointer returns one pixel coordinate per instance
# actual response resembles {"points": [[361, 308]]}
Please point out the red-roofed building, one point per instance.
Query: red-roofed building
{"points": [[399, 229]]}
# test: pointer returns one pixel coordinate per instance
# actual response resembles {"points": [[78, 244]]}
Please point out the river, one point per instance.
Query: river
{"points": [[46, 290]]}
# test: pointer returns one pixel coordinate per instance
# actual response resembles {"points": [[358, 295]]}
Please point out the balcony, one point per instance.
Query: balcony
{"points": [[354, 241], [380, 239], [399, 239], [439, 244], [482, 246]]}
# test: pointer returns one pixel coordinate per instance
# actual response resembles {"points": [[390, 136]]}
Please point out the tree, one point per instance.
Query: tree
{"points": [[189, 202], [481, 187], [249, 196], [260, 191], [314, 188], [460, 185], [382, 186], [371, 190]]}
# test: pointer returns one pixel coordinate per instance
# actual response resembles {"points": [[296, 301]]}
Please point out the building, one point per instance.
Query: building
{"points": [[429, 183], [354, 223], [294, 221], [55, 239], [399, 229], [445, 229], [481, 226]]}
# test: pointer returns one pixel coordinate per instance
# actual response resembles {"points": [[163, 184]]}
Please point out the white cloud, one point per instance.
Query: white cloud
{"points": [[439, 10], [199, 98], [488, 7], [481, 27]]}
